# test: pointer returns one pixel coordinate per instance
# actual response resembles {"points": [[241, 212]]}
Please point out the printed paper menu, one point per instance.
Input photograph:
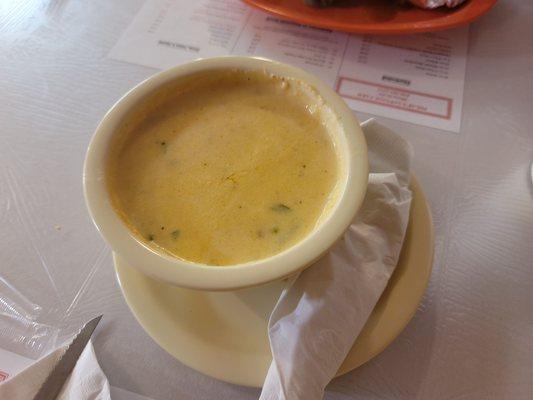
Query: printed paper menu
{"points": [[414, 78]]}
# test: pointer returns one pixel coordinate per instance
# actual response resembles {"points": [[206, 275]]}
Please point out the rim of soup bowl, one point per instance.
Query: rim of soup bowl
{"points": [[352, 149]]}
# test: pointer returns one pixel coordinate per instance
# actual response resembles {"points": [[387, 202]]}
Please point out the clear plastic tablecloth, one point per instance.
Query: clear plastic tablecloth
{"points": [[472, 336]]}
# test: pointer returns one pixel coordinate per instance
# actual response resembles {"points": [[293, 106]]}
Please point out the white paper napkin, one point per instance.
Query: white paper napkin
{"points": [[317, 319], [86, 382], [436, 3]]}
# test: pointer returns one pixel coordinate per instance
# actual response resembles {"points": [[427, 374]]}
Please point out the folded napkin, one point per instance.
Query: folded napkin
{"points": [[86, 382], [317, 319]]}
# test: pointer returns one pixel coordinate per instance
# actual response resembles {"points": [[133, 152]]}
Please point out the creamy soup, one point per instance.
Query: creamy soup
{"points": [[230, 167]]}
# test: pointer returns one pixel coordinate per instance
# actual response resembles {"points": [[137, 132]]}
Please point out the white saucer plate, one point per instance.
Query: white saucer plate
{"points": [[224, 334]]}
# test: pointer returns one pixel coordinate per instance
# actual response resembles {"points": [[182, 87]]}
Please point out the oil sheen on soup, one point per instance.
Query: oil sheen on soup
{"points": [[234, 167]]}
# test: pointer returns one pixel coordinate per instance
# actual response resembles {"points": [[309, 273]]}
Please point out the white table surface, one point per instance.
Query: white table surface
{"points": [[472, 337]]}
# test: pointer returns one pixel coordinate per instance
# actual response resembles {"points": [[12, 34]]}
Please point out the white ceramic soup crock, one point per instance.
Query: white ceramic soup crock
{"points": [[351, 150]]}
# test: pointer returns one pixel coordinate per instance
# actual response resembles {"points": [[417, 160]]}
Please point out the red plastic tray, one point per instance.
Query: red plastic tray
{"points": [[376, 16]]}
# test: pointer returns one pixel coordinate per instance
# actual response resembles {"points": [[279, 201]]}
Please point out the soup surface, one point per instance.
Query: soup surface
{"points": [[234, 167]]}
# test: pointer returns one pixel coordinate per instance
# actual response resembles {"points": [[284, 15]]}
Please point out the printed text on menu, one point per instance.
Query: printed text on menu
{"points": [[415, 78]]}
